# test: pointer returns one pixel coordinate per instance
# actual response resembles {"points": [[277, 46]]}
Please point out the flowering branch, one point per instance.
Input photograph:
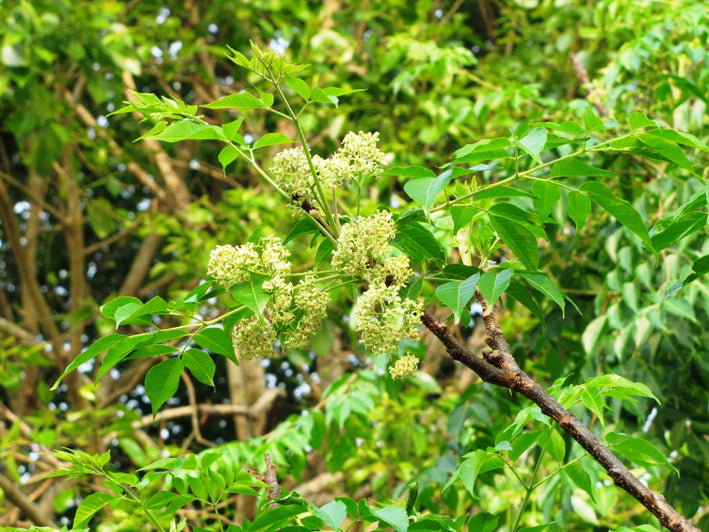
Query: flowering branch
{"points": [[498, 366]]}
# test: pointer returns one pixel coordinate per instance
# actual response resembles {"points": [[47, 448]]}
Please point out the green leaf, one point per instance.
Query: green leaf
{"points": [[570, 128], [231, 130], [226, 156], [518, 238], [578, 207], [502, 191], [457, 294], [685, 225], [161, 382], [580, 478], [640, 120], [216, 340], [520, 292], [483, 522], [425, 191], [462, 215], [540, 281], [409, 171], [201, 365], [332, 514], [305, 226], [638, 450], [272, 139], [299, 86], [98, 347], [613, 385], [546, 193], [699, 267], [667, 149], [417, 242], [483, 150], [392, 516], [270, 518], [243, 100], [592, 122], [592, 334], [593, 401], [134, 313], [574, 167], [480, 462], [251, 294], [189, 130], [620, 209], [533, 143], [89, 506], [324, 252], [493, 283]]}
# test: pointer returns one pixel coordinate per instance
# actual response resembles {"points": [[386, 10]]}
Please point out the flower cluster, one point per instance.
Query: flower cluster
{"points": [[357, 159], [230, 265], [404, 366], [363, 241], [312, 302], [383, 318], [254, 338]]}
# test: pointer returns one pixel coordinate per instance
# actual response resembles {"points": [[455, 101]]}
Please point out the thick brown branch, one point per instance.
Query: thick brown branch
{"points": [[499, 367]]}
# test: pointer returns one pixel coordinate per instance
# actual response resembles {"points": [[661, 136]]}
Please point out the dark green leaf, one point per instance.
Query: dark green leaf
{"points": [[519, 239], [305, 226], [502, 191], [687, 224], [541, 282], [215, 340], [462, 215], [251, 294], [417, 242], [89, 506], [699, 267], [547, 194]]}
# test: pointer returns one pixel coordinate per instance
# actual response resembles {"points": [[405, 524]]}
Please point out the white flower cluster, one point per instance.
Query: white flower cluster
{"points": [[404, 366], [381, 316], [230, 265], [357, 159]]}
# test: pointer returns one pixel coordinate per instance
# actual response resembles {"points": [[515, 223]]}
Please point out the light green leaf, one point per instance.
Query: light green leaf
{"points": [[592, 334], [578, 208], [502, 191], [541, 282], [299, 86], [189, 130], [393, 516], [272, 139], [685, 225], [533, 143], [457, 294], [425, 191], [493, 283], [620, 209], [89, 506], [593, 401], [243, 100], [252, 294], [226, 156], [667, 149], [546, 193], [592, 122], [483, 150], [640, 120], [480, 462], [580, 478], [161, 382], [201, 365], [699, 267], [98, 347], [332, 514], [637, 450]]}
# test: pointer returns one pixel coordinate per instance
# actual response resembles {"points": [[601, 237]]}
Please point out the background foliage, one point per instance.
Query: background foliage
{"points": [[88, 215]]}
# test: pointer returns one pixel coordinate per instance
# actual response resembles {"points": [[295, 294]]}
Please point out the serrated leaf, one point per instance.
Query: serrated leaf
{"points": [[299, 86], [546, 195], [533, 143], [518, 238], [95, 349], [161, 382], [272, 139], [578, 207], [89, 506], [620, 209], [189, 130], [457, 294], [493, 283], [243, 100], [201, 365], [574, 167], [215, 340], [541, 282]]}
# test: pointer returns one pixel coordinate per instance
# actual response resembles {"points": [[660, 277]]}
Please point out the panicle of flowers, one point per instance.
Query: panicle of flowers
{"points": [[361, 154], [312, 301], [361, 241], [253, 338], [274, 256], [404, 366], [230, 265], [394, 271], [383, 318], [290, 170]]}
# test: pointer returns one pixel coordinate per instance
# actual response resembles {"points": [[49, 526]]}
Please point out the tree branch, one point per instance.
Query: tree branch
{"points": [[19, 499], [498, 366]]}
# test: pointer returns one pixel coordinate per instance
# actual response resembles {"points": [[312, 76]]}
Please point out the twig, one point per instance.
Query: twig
{"points": [[498, 366], [19, 499]]}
